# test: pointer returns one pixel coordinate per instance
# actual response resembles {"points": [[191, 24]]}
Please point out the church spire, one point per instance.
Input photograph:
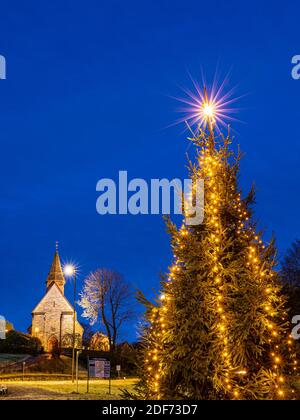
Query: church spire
{"points": [[56, 273]]}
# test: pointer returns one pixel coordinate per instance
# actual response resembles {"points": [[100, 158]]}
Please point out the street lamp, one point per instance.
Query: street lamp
{"points": [[70, 271], [78, 352]]}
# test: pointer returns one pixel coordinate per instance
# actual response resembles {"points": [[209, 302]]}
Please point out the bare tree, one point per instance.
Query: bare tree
{"points": [[290, 275], [106, 297], [88, 332], [290, 271]]}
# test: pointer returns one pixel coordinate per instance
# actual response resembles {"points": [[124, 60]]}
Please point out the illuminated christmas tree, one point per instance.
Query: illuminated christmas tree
{"points": [[220, 328]]}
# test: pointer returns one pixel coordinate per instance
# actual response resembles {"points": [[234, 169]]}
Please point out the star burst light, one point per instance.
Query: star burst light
{"points": [[70, 268], [210, 107]]}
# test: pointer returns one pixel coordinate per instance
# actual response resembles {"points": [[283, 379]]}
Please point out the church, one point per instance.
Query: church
{"points": [[53, 317]]}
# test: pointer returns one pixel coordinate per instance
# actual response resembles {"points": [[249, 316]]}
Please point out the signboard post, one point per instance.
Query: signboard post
{"points": [[23, 370], [118, 368], [88, 375]]}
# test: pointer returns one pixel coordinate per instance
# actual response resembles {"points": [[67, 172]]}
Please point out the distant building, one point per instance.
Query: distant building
{"points": [[100, 342], [8, 326], [52, 318], [2, 327]]}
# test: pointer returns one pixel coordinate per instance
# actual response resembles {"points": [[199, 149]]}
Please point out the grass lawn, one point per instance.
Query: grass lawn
{"points": [[48, 390]]}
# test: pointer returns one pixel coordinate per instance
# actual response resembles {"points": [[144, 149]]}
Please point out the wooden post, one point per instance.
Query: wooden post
{"points": [[109, 379], [77, 357], [88, 375]]}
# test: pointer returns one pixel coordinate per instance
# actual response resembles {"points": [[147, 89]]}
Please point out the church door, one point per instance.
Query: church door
{"points": [[52, 344]]}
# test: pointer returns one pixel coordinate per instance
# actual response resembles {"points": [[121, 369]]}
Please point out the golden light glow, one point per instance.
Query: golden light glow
{"points": [[242, 372]]}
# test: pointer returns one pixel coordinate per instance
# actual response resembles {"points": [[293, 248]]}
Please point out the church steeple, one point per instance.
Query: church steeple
{"points": [[56, 273]]}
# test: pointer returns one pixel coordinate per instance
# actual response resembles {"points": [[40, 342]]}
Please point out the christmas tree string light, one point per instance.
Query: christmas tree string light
{"points": [[218, 329]]}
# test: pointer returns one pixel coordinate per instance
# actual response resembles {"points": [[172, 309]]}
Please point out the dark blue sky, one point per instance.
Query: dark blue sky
{"points": [[86, 95]]}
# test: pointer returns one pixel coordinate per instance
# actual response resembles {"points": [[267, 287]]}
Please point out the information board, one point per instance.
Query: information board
{"points": [[99, 368]]}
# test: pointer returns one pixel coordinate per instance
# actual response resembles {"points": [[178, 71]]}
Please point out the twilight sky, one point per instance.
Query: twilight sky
{"points": [[88, 94]]}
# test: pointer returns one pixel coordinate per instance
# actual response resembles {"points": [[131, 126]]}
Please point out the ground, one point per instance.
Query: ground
{"points": [[65, 390], [58, 386], [50, 379]]}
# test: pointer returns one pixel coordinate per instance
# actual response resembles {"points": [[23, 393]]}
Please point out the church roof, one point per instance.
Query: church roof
{"points": [[54, 292], [56, 273]]}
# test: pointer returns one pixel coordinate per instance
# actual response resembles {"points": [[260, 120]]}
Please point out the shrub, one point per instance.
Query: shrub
{"points": [[19, 343]]}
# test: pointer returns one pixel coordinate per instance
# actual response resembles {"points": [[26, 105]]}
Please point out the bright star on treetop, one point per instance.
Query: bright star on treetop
{"points": [[208, 106], [208, 110]]}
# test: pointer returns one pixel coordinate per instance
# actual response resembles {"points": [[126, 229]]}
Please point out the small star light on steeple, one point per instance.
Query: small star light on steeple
{"points": [[56, 246], [208, 106]]}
